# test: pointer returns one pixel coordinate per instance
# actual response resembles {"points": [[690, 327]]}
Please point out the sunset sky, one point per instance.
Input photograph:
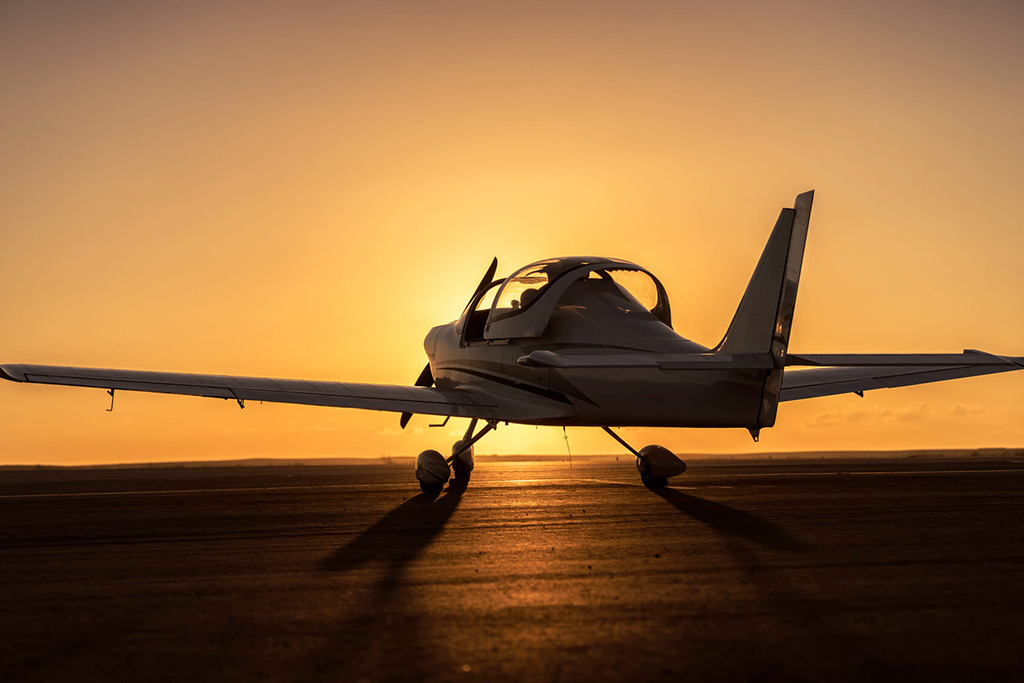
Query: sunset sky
{"points": [[302, 189]]}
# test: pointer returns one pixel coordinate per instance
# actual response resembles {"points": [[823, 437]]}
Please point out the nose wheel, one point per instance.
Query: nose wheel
{"points": [[462, 462], [433, 470]]}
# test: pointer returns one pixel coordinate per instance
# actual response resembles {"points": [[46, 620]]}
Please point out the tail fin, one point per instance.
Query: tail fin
{"points": [[765, 315]]}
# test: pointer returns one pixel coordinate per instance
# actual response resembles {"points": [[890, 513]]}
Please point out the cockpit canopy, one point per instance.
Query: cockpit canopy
{"points": [[522, 304]]}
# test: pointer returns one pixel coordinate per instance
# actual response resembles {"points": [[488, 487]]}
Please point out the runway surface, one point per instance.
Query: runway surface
{"points": [[850, 571]]}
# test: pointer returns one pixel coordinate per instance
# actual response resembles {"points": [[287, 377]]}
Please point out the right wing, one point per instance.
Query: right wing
{"points": [[463, 402], [829, 374], [660, 361], [806, 375]]}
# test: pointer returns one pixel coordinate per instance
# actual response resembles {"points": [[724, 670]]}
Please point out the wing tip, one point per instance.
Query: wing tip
{"points": [[12, 373], [1012, 360]]}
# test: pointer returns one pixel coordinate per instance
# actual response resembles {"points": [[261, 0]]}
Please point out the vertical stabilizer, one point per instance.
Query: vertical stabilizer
{"points": [[765, 315]]}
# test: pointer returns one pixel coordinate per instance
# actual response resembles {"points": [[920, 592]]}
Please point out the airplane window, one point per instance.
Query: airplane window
{"points": [[638, 284], [473, 321], [520, 290], [528, 284], [485, 302]]}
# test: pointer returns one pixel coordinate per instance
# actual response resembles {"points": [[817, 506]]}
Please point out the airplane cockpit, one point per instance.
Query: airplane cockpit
{"points": [[562, 294]]}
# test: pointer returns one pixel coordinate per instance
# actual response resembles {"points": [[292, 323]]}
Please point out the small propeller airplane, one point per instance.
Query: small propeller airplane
{"points": [[588, 341]]}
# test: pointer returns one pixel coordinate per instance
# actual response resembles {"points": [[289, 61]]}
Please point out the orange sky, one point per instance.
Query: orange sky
{"points": [[303, 189]]}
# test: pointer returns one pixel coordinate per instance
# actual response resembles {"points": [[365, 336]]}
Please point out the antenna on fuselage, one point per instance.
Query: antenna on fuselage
{"points": [[565, 435]]}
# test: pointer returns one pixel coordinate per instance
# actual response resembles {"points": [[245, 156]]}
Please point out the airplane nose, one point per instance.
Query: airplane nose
{"points": [[430, 341]]}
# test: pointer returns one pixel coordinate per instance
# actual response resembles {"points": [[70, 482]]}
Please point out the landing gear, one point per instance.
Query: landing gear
{"points": [[654, 463], [431, 489], [646, 478], [432, 469], [432, 472], [462, 465], [462, 451]]}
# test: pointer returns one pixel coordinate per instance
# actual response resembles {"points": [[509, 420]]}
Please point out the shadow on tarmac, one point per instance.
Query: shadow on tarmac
{"points": [[729, 521], [400, 535], [381, 624], [799, 612]]}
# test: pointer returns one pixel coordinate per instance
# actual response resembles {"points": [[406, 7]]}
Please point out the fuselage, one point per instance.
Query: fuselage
{"points": [[583, 314]]}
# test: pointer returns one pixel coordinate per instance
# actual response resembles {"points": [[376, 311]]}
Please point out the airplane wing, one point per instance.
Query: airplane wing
{"points": [[829, 374], [661, 361], [466, 402], [806, 375]]}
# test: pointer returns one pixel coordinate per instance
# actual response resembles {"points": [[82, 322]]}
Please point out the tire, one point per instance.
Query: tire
{"points": [[654, 482], [431, 489], [460, 471]]}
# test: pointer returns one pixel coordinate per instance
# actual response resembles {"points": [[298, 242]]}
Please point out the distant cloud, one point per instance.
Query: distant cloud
{"points": [[393, 431], [961, 410], [915, 411], [854, 415], [827, 419]]}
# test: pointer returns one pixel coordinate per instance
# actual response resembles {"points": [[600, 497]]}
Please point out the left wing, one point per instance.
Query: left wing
{"points": [[463, 402], [829, 374]]}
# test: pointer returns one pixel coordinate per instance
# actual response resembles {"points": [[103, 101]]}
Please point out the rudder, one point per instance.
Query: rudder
{"points": [[764, 318]]}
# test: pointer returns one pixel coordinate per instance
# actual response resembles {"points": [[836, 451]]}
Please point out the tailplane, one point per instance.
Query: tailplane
{"points": [[765, 315]]}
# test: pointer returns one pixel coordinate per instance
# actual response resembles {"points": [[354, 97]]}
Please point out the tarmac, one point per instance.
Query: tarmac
{"points": [[800, 570]]}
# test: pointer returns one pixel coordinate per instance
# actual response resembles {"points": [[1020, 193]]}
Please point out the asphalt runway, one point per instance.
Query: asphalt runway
{"points": [[801, 570]]}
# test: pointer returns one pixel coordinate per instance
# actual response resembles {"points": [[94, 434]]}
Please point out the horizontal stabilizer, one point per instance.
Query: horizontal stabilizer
{"points": [[968, 357], [814, 375]]}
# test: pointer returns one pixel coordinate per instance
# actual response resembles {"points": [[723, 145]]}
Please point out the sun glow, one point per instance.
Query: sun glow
{"points": [[303, 192]]}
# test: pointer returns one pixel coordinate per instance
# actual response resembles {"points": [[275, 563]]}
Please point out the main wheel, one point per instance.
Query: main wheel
{"points": [[463, 465], [651, 482], [654, 482], [431, 489]]}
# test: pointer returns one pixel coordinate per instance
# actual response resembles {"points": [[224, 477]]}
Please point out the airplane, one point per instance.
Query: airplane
{"points": [[588, 341]]}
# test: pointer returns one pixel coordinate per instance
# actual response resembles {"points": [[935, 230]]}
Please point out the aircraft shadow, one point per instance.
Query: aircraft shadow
{"points": [[780, 583], [400, 535], [729, 521], [380, 623]]}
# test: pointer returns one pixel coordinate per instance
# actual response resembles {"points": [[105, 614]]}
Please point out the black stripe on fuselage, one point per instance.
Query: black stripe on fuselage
{"points": [[505, 381], [557, 381]]}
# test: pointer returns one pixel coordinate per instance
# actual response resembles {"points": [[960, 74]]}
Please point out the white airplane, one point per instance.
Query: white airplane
{"points": [[588, 341]]}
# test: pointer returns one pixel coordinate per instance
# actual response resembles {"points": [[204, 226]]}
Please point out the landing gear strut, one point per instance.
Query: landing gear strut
{"points": [[433, 469], [654, 463], [462, 450]]}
